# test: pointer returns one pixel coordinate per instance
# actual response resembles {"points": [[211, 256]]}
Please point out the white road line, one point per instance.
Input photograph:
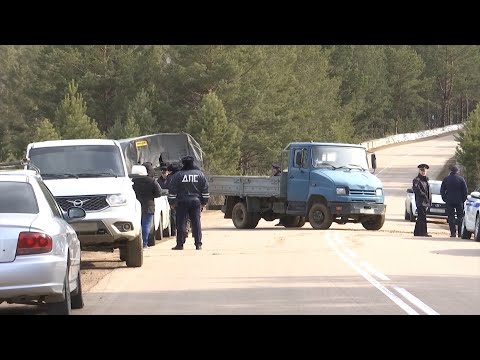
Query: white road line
{"points": [[350, 252], [383, 289], [425, 308], [374, 271]]}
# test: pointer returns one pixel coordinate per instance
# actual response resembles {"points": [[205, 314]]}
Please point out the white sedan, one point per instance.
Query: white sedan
{"points": [[39, 250], [471, 216], [438, 210]]}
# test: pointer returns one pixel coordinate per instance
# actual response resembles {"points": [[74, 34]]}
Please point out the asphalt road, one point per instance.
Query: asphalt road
{"points": [[343, 270]]}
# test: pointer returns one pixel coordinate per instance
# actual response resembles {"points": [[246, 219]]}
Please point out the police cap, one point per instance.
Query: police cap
{"points": [[423, 166], [163, 166], [188, 159]]}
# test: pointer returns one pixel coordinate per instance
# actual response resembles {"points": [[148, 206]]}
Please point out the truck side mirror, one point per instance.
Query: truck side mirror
{"points": [[373, 161]]}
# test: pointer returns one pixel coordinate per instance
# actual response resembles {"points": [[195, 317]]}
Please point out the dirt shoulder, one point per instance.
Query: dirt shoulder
{"points": [[96, 265]]}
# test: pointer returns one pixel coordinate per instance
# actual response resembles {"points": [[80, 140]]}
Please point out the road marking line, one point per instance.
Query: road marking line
{"points": [[425, 308], [405, 307], [341, 243], [374, 271]]}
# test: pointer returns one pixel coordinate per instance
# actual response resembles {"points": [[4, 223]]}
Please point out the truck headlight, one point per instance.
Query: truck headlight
{"points": [[116, 200], [379, 192], [342, 191]]}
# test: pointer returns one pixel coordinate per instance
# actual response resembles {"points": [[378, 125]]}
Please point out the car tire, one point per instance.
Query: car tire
{"points": [[152, 235], [135, 252], [412, 216], [77, 295], [476, 236], [465, 234], [64, 307], [168, 231]]}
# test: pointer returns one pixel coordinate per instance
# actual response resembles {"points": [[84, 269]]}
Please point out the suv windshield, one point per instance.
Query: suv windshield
{"points": [[78, 161], [339, 157]]}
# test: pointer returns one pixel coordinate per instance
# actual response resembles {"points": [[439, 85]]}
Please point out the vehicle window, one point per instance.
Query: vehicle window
{"points": [[17, 197], [51, 200], [435, 188], [353, 157], [78, 160], [298, 157]]}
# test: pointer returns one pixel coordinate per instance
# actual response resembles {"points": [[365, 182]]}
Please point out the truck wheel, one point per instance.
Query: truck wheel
{"points": [[135, 252], [465, 233], [254, 219], [374, 222], [302, 221], [240, 217], [319, 216], [291, 221]]}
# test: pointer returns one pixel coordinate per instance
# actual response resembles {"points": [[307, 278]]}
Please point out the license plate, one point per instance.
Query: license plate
{"points": [[83, 227], [438, 211], [367, 211]]}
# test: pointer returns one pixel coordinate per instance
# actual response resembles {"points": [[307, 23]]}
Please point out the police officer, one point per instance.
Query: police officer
{"points": [[454, 192], [188, 193], [421, 189]]}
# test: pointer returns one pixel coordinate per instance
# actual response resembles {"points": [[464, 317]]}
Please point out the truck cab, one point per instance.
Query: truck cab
{"points": [[332, 182]]}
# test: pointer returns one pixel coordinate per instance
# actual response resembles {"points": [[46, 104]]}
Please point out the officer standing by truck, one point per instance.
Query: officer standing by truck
{"points": [[423, 199], [188, 193]]}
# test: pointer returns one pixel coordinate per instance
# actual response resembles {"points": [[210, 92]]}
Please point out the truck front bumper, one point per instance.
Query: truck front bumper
{"points": [[340, 209]]}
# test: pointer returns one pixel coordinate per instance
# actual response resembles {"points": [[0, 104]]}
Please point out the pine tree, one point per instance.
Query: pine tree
{"points": [[121, 130], [220, 141], [140, 113], [45, 131], [469, 148], [72, 119]]}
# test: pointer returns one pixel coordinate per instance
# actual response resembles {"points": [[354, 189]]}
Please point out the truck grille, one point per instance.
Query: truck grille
{"points": [[88, 203], [362, 192]]}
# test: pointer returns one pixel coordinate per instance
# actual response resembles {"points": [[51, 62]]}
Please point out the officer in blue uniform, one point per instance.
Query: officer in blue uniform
{"points": [[188, 193]]}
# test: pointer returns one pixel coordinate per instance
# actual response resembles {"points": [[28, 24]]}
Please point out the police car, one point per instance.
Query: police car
{"points": [[471, 216]]}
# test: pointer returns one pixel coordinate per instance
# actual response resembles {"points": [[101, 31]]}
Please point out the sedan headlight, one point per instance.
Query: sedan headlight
{"points": [[116, 200], [342, 191], [379, 192]]}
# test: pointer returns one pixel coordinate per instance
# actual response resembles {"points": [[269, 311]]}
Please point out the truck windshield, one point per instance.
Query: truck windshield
{"points": [[339, 157], [78, 161]]}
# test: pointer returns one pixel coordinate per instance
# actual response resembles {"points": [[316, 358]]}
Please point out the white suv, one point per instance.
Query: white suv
{"points": [[91, 173]]}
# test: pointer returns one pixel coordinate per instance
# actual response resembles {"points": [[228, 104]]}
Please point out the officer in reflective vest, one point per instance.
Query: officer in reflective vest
{"points": [[188, 193]]}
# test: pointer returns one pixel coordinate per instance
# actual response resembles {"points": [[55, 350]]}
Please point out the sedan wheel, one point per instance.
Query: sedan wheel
{"points": [[64, 307]]}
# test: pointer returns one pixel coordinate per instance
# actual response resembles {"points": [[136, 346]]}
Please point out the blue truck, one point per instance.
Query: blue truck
{"points": [[321, 183]]}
